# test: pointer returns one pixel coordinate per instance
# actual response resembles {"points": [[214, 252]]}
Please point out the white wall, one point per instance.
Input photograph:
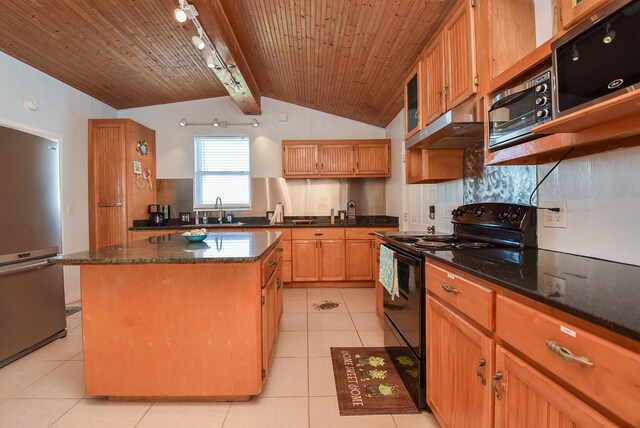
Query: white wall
{"points": [[602, 193], [175, 143], [62, 115], [395, 132]]}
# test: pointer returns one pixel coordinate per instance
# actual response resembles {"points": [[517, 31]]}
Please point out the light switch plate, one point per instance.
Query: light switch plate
{"points": [[137, 167]]}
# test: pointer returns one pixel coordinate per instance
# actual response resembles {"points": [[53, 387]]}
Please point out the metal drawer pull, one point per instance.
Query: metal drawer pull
{"points": [[449, 289], [318, 234], [494, 384], [566, 355], [481, 364], [272, 264], [279, 250]]}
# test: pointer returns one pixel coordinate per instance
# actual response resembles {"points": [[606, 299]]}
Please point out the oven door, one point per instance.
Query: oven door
{"points": [[511, 119], [406, 311]]}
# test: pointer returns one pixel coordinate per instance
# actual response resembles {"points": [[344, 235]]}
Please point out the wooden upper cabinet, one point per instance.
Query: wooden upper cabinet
{"points": [[528, 398], [413, 101], [460, 70], [434, 66], [336, 158], [373, 159], [299, 160], [116, 195], [574, 11]]}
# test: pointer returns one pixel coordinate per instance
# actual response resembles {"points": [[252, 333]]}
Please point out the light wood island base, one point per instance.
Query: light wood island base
{"points": [[188, 331]]}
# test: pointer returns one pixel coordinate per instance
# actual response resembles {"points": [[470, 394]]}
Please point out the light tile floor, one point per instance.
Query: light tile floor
{"points": [[46, 388]]}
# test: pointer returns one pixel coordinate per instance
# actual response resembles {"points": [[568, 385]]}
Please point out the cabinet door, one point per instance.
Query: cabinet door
{"points": [[376, 275], [300, 160], [373, 160], [332, 262], [305, 260], [460, 54], [434, 81], [106, 185], [412, 102], [574, 11], [269, 321], [359, 259], [459, 367], [336, 159], [279, 296], [529, 399]]}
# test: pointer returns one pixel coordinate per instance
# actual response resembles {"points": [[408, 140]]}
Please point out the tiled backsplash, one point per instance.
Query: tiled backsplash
{"points": [[511, 184]]}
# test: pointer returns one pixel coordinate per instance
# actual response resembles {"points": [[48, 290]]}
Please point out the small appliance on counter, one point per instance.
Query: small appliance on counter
{"points": [[351, 212], [158, 214]]}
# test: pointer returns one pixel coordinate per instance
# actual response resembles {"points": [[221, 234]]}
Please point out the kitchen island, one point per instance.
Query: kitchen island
{"points": [[164, 318]]}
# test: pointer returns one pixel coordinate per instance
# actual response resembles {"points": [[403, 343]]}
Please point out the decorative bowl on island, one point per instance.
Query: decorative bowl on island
{"points": [[196, 235]]}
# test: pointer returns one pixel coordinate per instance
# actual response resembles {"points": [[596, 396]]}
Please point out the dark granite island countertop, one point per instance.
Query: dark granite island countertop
{"points": [[603, 292], [230, 247]]}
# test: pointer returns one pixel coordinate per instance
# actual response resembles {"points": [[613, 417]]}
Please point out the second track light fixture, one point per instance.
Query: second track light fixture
{"points": [[219, 123]]}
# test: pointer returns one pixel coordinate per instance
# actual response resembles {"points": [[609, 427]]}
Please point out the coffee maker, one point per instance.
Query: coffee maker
{"points": [[158, 214]]}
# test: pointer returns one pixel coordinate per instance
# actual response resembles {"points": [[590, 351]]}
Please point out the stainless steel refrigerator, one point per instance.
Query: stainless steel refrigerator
{"points": [[32, 310]]}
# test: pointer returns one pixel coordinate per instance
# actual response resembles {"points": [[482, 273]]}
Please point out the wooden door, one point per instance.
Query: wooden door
{"points": [[412, 102], [300, 160], [305, 265], [529, 399], [459, 367], [434, 81], [574, 11], [336, 159], [460, 54], [359, 259], [332, 262], [107, 203], [373, 160], [269, 322]]}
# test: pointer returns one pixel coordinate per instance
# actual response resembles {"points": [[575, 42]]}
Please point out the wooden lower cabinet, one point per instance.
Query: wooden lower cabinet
{"points": [[269, 321], [331, 256], [459, 367], [359, 259], [318, 260], [527, 398], [305, 266]]}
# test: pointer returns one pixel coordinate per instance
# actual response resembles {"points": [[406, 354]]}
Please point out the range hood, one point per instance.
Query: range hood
{"points": [[458, 128]]}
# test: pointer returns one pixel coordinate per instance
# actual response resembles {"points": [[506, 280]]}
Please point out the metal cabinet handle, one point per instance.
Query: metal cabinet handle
{"points": [[278, 283], [318, 234], [567, 355], [481, 364], [440, 97], [109, 204], [449, 289], [371, 233], [273, 264], [280, 250], [494, 384]]}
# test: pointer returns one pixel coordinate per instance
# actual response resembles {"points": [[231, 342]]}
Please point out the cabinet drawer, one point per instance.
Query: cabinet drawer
{"points": [[318, 233], [612, 381], [269, 265], [360, 233], [471, 299]]}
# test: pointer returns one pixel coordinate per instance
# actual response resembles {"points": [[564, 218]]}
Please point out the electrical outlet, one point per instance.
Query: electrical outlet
{"points": [[555, 219], [554, 286]]}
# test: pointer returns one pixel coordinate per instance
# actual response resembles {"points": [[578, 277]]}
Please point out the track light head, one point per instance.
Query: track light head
{"points": [[198, 42], [254, 123], [216, 123], [575, 55], [610, 34], [180, 15], [183, 122], [210, 62]]}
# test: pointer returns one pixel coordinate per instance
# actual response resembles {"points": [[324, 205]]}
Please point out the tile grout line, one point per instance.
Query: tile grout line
{"points": [[308, 364], [67, 411], [144, 414]]}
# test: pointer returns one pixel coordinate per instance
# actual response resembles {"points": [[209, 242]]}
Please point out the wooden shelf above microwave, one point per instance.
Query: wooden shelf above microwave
{"points": [[529, 63]]}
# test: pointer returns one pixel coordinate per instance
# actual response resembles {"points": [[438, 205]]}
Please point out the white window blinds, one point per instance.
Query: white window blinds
{"points": [[222, 168]]}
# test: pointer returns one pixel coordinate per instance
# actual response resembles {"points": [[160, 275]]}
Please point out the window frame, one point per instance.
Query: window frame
{"points": [[199, 174]]}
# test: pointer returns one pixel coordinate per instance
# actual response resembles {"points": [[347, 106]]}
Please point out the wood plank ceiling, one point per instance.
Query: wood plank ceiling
{"points": [[347, 58]]}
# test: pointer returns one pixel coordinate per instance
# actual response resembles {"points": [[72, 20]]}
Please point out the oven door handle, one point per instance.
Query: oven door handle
{"points": [[406, 260]]}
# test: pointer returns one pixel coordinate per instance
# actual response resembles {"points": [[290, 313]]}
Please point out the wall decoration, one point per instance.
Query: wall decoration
{"points": [[142, 148], [509, 184], [144, 179]]}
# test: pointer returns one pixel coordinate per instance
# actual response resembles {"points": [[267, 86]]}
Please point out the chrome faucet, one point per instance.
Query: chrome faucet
{"points": [[218, 205]]}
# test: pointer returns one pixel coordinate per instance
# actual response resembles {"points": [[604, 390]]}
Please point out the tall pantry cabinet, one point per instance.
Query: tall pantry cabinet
{"points": [[122, 178]]}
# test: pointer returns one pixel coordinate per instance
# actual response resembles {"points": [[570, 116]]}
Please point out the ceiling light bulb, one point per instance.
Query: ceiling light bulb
{"points": [[610, 35], [183, 122], [254, 123], [216, 123], [198, 42], [210, 62], [575, 55], [180, 15]]}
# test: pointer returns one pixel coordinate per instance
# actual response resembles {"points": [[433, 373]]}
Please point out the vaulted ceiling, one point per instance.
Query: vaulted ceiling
{"points": [[344, 57]]}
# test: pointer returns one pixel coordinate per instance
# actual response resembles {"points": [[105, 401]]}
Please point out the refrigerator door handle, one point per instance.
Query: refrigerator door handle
{"points": [[24, 267]]}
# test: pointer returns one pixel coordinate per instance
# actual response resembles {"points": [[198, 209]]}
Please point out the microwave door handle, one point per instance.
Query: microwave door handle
{"points": [[509, 97], [406, 260]]}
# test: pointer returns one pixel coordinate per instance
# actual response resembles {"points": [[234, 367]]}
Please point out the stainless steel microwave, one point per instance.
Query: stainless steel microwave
{"points": [[598, 59], [516, 111]]}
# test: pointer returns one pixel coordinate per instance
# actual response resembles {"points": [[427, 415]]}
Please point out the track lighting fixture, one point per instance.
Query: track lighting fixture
{"points": [[220, 123], [610, 34], [185, 11], [210, 62], [198, 42], [575, 55], [180, 15]]}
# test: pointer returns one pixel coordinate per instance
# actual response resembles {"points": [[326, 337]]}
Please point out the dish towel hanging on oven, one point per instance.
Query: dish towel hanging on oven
{"points": [[388, 273]]}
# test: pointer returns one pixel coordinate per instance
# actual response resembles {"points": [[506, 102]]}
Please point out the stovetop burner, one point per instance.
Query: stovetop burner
{"points": [[407, 239], [432, 244], [438, 238]]}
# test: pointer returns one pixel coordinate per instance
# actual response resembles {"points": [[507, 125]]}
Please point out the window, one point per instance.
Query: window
{"points": [[222, 168]]}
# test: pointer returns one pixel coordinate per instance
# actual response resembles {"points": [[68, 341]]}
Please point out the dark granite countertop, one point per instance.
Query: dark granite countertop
{"points": [[603, 292], [230, 247], [259, 222]]}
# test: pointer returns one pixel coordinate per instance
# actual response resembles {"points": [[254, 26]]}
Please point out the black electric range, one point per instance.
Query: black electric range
{"points": [[491, 230]]}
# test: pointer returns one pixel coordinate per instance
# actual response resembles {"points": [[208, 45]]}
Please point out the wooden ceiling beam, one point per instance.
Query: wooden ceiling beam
{"points": [[215, 23]]}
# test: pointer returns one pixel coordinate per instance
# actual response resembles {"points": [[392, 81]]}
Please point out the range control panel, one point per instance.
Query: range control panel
{"points": [[510, 216]]}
